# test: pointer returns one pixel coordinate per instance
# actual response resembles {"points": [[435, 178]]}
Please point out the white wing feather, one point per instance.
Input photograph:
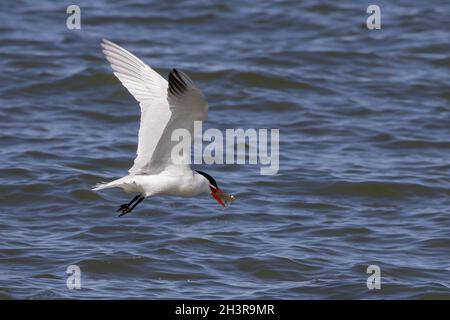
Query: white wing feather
{"points": [[187, 105], [150, 90]]}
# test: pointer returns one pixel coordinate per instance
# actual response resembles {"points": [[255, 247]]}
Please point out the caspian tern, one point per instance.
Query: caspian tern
{"points": [[165, 106]]}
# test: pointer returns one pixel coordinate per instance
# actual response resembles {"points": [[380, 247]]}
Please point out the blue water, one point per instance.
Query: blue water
{"points": [[364, 123]]}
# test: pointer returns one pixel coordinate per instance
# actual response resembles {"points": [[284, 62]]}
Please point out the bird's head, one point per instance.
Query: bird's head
{"points": [[220, 196]]}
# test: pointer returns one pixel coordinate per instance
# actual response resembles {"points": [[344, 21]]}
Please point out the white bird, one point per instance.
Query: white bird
{"points": [[165, 107]]}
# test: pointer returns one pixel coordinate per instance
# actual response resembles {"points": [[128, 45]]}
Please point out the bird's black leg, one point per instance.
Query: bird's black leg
{"points": [[128, 209], [127, 205]]}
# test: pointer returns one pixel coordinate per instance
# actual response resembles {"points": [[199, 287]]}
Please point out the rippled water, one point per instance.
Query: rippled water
{"points": [[364, 122]]}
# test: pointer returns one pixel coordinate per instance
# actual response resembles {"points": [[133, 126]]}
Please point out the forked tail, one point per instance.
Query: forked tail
{"points": [[123, 183], [103, 185]]}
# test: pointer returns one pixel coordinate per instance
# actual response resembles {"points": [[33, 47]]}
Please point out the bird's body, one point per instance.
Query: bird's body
{"points": [[188, 184], [165, 107]]}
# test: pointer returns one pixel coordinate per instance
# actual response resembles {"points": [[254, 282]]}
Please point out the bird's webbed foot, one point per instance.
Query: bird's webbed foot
{"points": [[125, 208]]}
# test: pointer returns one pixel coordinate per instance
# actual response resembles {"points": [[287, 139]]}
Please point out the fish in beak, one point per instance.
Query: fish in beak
{"points": [[221, 197]]}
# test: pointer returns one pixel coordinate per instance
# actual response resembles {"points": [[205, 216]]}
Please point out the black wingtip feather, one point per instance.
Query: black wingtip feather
{"points": [[176, 83]]}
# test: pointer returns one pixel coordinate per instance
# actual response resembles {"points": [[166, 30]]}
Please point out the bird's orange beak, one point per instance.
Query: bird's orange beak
{"points": [[221, 197]]}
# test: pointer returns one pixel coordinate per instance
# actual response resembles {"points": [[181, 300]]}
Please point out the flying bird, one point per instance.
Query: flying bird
{"points": [[165, 107]]}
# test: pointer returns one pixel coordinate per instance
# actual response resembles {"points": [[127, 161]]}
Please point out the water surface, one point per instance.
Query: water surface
{"points": [[364, 123]]}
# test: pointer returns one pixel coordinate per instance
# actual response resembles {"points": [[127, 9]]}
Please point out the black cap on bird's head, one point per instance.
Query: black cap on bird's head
{"points": [[220, 196]]}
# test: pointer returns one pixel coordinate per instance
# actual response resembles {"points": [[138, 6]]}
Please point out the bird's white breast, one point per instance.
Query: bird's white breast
{"points": [[188, 184]]}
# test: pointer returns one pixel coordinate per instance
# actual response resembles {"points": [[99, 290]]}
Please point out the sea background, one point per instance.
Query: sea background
{"points": [[364, 122]]}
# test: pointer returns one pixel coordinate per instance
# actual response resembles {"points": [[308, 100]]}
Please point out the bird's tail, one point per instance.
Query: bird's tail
{"points": [[103, 185], [122, 183]]}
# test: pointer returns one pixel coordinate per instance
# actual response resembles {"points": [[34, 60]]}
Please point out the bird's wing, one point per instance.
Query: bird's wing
{"points": [[150, 90], [187, 105]]}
